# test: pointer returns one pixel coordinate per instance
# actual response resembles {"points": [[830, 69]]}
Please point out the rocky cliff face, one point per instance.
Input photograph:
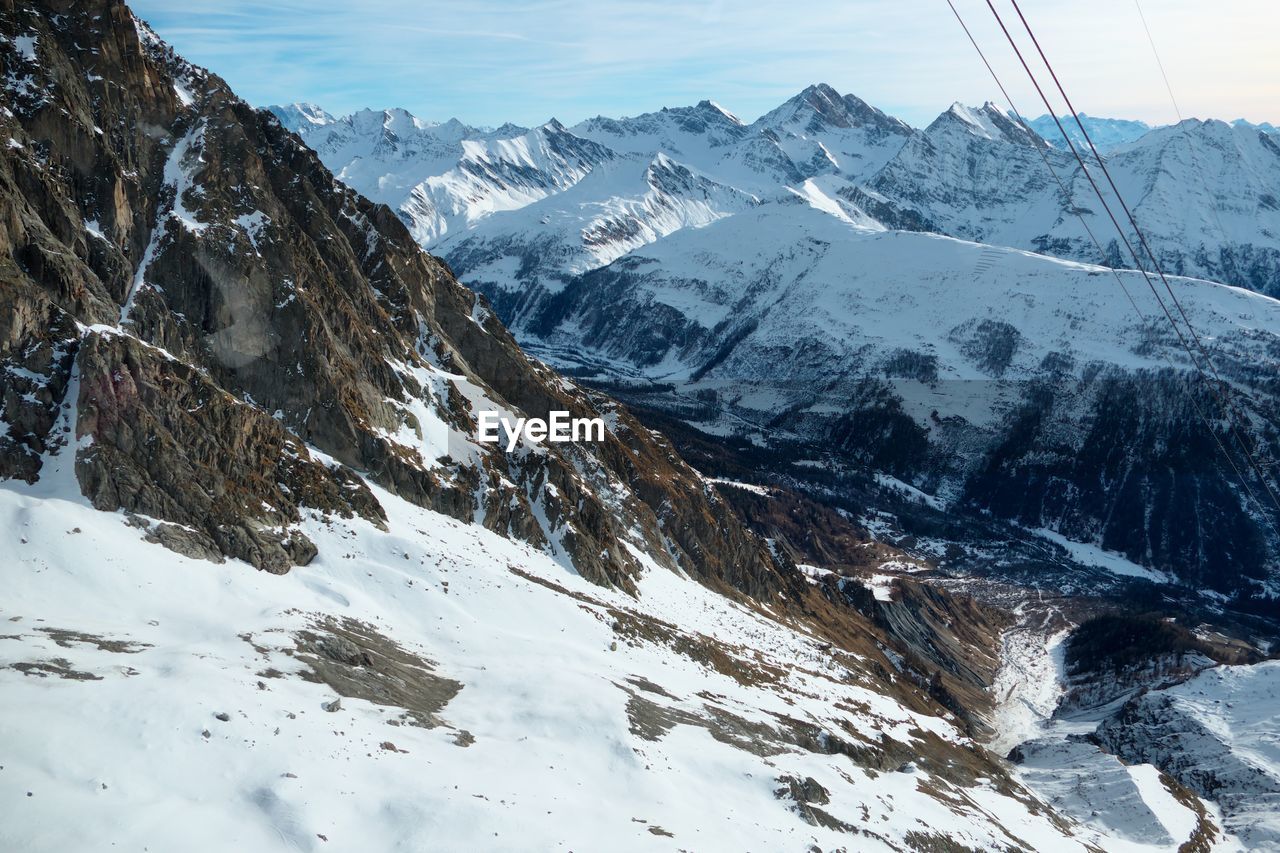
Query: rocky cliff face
{"points": [[191, 283]]}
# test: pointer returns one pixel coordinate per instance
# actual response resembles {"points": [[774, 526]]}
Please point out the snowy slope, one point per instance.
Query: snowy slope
{"points": [[1216, 734], [1202, 192], [1138, 805], [490, 699], [1140, 808]]}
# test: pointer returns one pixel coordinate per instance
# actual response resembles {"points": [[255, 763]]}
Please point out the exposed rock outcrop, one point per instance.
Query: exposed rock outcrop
{"points": [[228, 308]]}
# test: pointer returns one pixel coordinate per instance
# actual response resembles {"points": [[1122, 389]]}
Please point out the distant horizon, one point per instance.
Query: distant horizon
{"points": [[435, 120], [488, 62]]}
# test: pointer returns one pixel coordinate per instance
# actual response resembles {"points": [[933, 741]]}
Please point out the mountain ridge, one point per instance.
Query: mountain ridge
{"points": [[217, 357], [209, 343], [1200, 188]]}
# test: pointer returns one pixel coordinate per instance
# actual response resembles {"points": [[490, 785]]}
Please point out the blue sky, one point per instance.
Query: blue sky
{"points": [[490, 61]]}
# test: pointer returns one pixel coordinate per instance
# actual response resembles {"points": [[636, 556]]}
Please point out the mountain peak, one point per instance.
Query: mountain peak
{"points": [[400, 120], [990, 121], [706, 110], [301, 115], [973, 115], [508, 129], [823, 90], [707, 105], [823, 100], [820, 106]]}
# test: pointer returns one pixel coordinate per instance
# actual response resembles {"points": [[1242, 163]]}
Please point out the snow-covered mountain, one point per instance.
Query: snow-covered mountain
{"points": [[1204, 194], [420, 168], [444, 177], [216, 357], [990, 377], [716, 276], [1265, 127], [1215, 734], [614, 209], [1202, 190], [302, 116], [823, 131], [500, 174], [1106, 133], [974, 174]]}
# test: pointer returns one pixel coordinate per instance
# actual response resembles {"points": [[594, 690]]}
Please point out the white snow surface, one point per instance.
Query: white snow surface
{"points": [[1132, 804], [865, 294], [1093, 555], [546, 681], [1028, 686], [26, 47]]}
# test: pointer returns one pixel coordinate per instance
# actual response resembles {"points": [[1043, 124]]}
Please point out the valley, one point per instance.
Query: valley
{"points": [[896, 521]]}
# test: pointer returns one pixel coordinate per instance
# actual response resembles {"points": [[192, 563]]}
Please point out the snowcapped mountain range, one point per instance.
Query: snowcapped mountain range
{"points": [[1221, 177], [217, 356], [786, 266], [1106, 133]]}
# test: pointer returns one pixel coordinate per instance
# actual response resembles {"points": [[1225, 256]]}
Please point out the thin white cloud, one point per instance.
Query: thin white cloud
{"points": [[487, 61]]}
